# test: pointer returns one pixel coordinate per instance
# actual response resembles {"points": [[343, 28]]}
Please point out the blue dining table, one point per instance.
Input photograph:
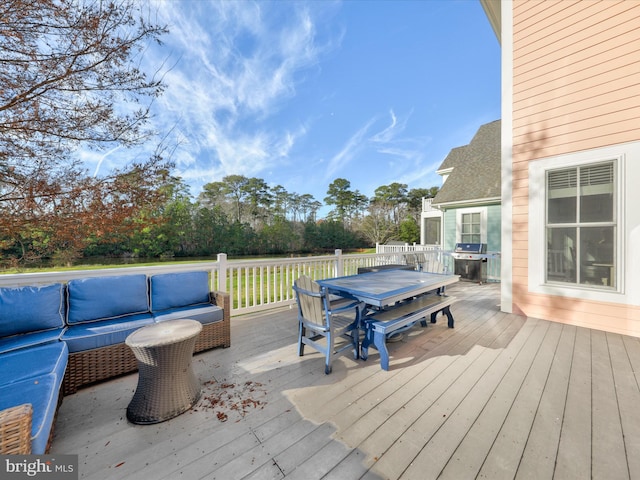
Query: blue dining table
{"points": [[379, 289]]}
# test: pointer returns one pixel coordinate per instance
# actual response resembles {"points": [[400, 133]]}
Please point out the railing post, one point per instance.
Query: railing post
{"points": [[377, 247], [339, 263], [222, 272]]}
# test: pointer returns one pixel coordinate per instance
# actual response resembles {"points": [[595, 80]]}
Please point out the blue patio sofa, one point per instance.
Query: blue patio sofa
{"points": [[33, 362], [57, 338]]}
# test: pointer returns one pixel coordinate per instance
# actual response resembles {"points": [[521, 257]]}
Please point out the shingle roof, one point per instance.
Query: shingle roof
{"points": [[453, 159], [475, 173]]}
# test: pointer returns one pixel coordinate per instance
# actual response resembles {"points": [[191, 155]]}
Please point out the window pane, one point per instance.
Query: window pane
{"points": [[562, 194], [562, 210], [470, 238], [470, 228], [596, 193], [432, 227], [561, 255], [596, 256]]}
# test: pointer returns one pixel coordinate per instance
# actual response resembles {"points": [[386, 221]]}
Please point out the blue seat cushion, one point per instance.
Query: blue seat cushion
{"points": [[42, 393], [100, 298], [29, 309], [202, 313], [34, 362], [175, 290], [25, 340], [87, 336]]}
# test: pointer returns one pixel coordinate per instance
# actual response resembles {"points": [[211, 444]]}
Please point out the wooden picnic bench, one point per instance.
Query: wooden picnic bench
{"points": [[400, 317]]}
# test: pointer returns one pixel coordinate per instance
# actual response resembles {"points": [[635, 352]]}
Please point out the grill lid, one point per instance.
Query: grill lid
{"points": [[470, 248]]}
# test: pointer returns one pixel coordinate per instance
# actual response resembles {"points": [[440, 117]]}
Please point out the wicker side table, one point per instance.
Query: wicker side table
{"points": [[167, 385]]}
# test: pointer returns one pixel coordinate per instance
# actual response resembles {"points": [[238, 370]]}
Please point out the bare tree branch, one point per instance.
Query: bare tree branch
{"points": [[70, 75]]}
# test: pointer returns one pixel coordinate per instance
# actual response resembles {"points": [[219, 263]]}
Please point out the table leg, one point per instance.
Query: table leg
{"points": [[368, 340], [380, 341], [447, 312]]}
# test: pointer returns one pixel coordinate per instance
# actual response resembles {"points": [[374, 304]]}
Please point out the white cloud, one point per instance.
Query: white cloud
{"points": [[406, 153], [235, 65], [354, 145], [389, 132]]}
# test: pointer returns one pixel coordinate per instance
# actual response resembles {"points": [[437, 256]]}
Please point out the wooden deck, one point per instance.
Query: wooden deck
{"points": [[499, 396]]}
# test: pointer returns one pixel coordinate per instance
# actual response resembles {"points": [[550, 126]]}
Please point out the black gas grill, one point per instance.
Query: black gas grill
{"points": [[470, 261]]}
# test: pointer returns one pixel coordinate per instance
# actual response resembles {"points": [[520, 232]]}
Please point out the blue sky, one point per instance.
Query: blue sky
{"points": [[301, 93]]}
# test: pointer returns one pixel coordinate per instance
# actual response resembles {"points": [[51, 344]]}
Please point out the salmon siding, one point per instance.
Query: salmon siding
{"points": [[575, 110]]}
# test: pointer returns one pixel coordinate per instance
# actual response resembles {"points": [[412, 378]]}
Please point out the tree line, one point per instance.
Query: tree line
{"points": [[237, 215], [246, 216], [70, 75]]}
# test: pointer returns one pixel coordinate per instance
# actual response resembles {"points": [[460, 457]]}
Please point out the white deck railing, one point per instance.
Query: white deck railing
{"points": [[259, 284], [405, 248], [255, 285]]}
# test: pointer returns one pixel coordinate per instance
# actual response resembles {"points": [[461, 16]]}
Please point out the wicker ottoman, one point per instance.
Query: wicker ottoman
{"points": [[167, 385]]}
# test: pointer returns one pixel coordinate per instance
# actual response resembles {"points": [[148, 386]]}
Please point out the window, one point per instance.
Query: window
{"points": [[470, 231], [580, 221], [432, 230], [471, 225], [581, 225]]}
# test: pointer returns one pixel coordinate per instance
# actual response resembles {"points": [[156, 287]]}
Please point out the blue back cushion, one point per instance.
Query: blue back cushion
{"points": [[100, 298], [173, 290], [29, 309]]}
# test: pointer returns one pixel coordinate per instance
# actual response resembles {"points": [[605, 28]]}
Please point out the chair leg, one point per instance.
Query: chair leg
{"points": [[329, 356], [301, 333], [355, 341]]}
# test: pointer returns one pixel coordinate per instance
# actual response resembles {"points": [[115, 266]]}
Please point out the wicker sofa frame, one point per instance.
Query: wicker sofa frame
{"points": [[15, 430], [91, 366]]}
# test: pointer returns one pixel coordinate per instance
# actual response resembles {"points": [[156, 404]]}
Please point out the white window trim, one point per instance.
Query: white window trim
{"points": [[483, 222], [537, 230]]}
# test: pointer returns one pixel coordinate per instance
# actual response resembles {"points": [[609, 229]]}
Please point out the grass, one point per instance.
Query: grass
{"points": [[97, 266], [59, 268], [267, 286]]}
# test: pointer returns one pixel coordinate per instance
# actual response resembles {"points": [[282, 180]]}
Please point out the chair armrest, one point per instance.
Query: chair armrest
{"points": [[351, 305], [15, 430], [222, 300]]}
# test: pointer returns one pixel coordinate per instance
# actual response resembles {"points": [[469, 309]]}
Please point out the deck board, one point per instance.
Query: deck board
{"points": [[505, 455], [498, 396], [628, 397], [607, 445], [469, 456], [542, 443], [435, 457], [573, 458]]}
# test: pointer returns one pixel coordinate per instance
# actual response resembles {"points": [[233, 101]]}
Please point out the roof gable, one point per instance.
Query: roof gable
{"points": [[474, 169]]}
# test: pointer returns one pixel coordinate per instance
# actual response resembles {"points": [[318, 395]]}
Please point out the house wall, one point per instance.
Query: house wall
{"points": [[449, 228], [491, 228], [576, 88], [494, 239]]}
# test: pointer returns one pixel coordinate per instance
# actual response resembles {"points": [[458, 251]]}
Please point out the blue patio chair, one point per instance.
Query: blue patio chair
{"points": [[318, 319]]}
